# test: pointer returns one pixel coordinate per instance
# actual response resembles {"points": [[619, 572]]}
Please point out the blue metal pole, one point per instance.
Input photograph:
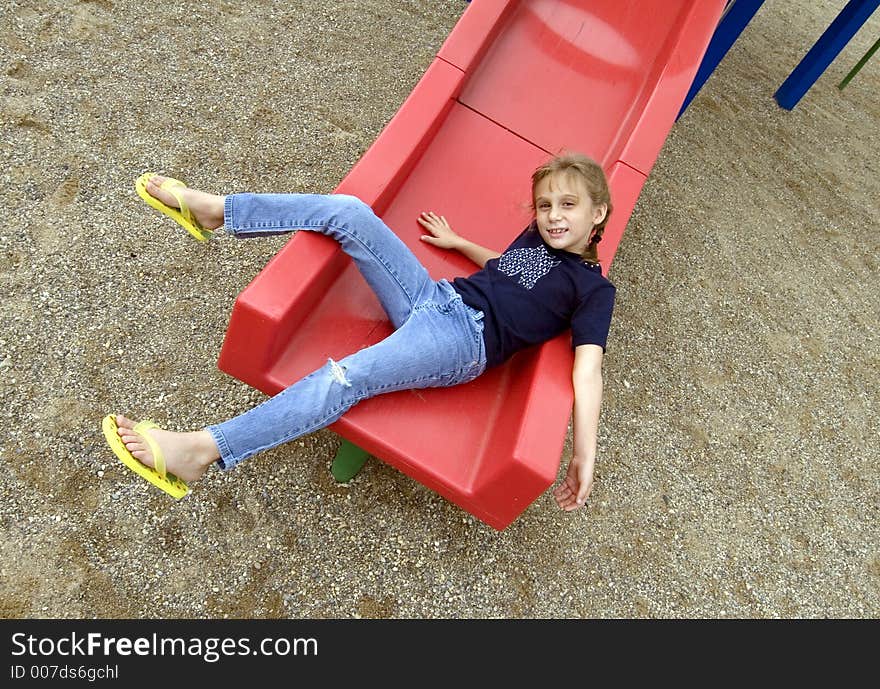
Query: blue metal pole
{"points": [[736, 15], [815, 62]]}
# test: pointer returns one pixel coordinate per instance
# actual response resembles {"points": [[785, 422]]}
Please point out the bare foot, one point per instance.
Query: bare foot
{"points": [[207, 209], [187, 455]]}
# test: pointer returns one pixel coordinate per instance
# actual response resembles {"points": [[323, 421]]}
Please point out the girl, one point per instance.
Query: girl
{"points": [[546, 281]]}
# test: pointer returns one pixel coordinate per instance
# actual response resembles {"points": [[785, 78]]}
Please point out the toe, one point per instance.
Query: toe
{"points": [[128, 438], [143, 457], [135, 445], [124, 422], [154, 190]]}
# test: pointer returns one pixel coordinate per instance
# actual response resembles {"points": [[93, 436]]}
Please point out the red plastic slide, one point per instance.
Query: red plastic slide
{"points": [[515, 82]]}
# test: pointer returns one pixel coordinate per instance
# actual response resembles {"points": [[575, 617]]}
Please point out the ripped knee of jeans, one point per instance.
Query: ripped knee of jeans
{"points": [[338, 374]]}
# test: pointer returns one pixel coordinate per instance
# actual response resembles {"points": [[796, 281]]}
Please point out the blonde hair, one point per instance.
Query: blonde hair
{"points": [[593, 176]]}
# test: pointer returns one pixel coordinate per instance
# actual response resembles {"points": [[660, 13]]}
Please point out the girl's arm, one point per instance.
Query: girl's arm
{"points": [[572, 493], [443, 236]]}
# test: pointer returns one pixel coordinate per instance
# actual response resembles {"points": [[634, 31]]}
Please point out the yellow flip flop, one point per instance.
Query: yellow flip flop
{"points": [[182, 216], [158, 476]]}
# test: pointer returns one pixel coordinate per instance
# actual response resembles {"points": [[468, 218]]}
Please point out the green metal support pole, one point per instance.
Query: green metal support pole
{"points": [[859, 65], [348, 461]]}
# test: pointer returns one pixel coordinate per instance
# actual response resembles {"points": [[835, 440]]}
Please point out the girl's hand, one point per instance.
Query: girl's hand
{"points": [[575, 488], [441, 233]]}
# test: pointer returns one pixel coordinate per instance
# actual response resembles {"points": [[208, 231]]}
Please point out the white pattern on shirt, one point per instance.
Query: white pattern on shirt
{"points": [[530, 264]]}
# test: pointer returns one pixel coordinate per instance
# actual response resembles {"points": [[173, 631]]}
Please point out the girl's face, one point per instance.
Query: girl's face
{"points": [[565, 213]]}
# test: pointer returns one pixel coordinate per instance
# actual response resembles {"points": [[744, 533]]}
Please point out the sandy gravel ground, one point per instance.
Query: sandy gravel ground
{"points": [[739, 442]]}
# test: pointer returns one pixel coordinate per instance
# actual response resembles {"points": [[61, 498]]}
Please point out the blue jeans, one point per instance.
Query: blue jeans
{"points": [[438, 339]]}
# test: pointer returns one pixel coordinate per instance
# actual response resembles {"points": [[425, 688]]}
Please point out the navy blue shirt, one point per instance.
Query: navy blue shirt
{"points": [[532, 293]]}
